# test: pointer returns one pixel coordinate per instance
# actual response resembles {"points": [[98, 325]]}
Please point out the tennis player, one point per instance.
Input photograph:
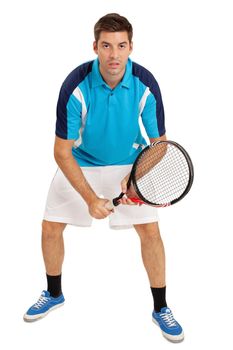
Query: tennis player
{"points": [[98, 137]]}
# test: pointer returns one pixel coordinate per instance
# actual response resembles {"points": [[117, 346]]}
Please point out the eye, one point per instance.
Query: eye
{"points": [[122, 46], [105, 46]]}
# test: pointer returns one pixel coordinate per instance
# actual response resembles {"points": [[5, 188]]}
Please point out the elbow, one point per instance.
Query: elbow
{"points": [[61, 155], [62, 150]]}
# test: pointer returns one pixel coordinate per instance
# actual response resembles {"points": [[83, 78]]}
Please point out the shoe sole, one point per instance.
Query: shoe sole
{"points": [[172, 338], [33, 318]]}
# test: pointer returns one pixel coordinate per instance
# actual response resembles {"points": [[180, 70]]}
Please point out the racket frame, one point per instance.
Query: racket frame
{"points": [[132, 180]]}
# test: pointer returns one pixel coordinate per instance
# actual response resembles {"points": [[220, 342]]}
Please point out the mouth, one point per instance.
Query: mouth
{"points": [[114, 64]]}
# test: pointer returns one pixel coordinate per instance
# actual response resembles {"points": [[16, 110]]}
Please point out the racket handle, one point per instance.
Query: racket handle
{"points": [[114, 203]]}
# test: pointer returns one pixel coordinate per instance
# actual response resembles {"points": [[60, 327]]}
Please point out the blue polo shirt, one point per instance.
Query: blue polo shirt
{"points": [[104, 122]]}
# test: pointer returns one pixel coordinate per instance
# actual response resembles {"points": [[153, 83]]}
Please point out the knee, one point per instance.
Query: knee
{"points": [[148, 232], [52, 230]]}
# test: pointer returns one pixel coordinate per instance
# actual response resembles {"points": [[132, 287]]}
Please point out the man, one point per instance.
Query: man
{"points": [[97, 140]]}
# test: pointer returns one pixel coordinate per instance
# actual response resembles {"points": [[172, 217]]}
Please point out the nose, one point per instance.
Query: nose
{"points": [[114, 53]]}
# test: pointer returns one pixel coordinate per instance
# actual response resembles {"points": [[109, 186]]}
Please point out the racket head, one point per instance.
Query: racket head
{"points": [[170, 175]]}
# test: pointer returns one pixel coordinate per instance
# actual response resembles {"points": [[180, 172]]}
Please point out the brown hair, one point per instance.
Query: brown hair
{"points": [[113, 22]]}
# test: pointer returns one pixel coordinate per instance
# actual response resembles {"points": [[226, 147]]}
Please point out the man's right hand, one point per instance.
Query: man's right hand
{"points": [[73, 172], [97, 208]]}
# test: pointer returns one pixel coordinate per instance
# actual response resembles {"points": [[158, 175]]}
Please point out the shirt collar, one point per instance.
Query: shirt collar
{"points": [[97, 79]]}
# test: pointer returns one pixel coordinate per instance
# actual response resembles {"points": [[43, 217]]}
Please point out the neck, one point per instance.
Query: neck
{"points": [[112, 80]]}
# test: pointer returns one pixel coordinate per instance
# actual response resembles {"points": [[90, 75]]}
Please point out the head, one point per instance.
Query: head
{"points": [[113, 22], [113, 44]]}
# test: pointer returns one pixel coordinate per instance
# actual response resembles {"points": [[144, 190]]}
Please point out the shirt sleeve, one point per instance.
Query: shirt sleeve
{"points": [[69, 116], [153, 111]]}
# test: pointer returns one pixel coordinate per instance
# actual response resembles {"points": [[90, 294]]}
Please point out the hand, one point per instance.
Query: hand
{"points": [[97, 208], [128, 192]]}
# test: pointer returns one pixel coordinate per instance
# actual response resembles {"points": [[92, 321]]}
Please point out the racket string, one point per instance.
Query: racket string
{"points": [[162, 173]]}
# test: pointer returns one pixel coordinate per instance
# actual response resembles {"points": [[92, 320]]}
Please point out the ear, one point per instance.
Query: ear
{"points": [[131, 47], [95, 48]]}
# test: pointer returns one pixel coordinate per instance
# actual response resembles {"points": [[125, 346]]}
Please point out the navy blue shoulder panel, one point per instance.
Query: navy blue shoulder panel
{"points": [[68, 86], [77, 76], [148, 80]]}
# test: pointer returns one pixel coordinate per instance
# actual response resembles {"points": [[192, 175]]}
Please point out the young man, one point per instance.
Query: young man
{"points": [[97, 140]]}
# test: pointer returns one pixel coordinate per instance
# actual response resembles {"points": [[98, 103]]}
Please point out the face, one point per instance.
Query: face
{"points": [[113, 50]]}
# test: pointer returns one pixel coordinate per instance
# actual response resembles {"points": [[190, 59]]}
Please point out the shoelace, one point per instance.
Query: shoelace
{"points": [[169, 319], [41, 301]]}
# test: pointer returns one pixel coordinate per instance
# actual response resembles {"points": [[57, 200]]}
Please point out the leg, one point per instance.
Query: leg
{"points": [[53, 246], [153, 254], [53, 253], [154, 261]]}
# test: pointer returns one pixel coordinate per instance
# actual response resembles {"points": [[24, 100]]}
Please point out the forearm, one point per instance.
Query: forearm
{"points": [[154, 156], [74, 174]]}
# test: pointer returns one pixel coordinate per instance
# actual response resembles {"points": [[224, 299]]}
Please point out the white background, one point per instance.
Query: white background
{"points": [[188, 47]]}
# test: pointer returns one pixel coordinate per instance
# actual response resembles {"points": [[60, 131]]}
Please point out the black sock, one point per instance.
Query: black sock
{"points": [[159, 296], [54, 285]]}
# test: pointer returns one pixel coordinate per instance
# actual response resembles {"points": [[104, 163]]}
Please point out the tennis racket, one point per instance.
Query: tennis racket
{"points": [[161, 175]]}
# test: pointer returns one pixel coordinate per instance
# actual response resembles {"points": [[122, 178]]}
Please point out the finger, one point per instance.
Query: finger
{"points": [[106, 212], [122, 201], [124, 186], [124, 183], [129, 202], [126, 201], [101, 213], [109, 205]]}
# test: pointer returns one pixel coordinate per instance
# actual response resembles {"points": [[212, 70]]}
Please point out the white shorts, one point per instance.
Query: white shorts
{"points": [[64, 204]]}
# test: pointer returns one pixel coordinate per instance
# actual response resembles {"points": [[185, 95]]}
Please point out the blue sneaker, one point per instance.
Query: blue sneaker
{"points": [[43, 306], [170, 328]]}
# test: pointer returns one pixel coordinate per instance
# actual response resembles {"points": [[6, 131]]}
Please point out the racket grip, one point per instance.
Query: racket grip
{"points": [[114, 203]]}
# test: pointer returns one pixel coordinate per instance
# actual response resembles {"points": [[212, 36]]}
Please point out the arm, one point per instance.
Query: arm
{"points": [[153, 121], [131, 192], [156, 139], [71, 169], [125, 180]]}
